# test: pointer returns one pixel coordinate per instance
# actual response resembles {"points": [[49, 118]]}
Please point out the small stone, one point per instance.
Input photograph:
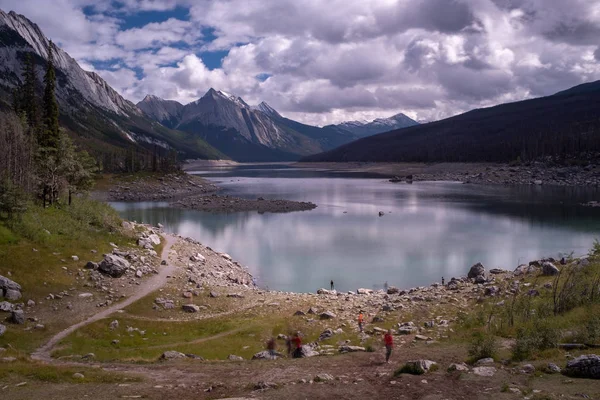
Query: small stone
{"points": [[2, 329], [30, 303], [553, 368], [17, 317], [233, 357], [171, 355], [462, 367], [323, 378], [75, 258], [85, 295], [114, 325], [528, 369], [191, 308], [77, 375]]}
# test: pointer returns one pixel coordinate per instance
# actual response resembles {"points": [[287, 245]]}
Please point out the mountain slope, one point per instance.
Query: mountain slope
{"points": [[242, 132], [98, 117], [567, 123], [379, 125]]}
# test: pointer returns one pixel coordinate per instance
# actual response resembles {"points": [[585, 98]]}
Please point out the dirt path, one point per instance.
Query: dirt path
{"points": [[147, 287]]}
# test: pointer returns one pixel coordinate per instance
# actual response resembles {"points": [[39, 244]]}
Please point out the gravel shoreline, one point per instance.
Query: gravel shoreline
{"points": [[192, 192]]}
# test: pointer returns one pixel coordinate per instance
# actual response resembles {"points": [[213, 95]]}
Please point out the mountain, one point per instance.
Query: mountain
{"points": [[100, 119], [562, 125], [242, 132], [379, 125]]}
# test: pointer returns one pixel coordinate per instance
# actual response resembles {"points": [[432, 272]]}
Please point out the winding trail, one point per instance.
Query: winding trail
{"points": [[148, 286]]}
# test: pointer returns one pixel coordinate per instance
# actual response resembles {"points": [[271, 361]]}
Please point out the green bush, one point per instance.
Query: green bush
{"points": [[529, 341], [482, 345]]}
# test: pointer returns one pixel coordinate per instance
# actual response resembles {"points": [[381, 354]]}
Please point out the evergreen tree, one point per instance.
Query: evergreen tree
{"points": [[49, 138]]}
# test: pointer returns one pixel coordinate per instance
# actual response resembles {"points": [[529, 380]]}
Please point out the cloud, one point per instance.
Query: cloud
{"points": [[328, 61]]}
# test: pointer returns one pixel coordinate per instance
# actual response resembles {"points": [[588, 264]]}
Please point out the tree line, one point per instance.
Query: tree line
{"points": [[39, 159]]}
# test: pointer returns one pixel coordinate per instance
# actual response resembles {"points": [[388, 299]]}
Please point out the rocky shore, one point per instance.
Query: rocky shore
{"points": [[157, 188], [476, 173], [191, 192], [223, 203]]}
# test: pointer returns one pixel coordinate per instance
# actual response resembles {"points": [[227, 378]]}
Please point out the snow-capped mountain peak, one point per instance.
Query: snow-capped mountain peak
{"points": [[378, 125]]}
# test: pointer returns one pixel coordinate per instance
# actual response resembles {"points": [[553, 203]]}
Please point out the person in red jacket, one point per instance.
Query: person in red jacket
{"points": [[388, 339], [297, 341]]}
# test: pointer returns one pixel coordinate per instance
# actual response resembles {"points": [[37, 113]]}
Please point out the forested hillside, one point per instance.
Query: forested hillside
{"points": [[566, 124]]}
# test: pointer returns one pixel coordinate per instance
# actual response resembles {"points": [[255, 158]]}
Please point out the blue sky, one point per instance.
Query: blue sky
{"points": [[327, 61]]}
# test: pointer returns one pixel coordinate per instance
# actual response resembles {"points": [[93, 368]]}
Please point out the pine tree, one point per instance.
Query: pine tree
{"points": [[49, 138]]}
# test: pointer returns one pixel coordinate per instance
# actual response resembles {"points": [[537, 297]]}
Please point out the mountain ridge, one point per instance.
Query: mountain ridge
{"points": [[564, 124]]}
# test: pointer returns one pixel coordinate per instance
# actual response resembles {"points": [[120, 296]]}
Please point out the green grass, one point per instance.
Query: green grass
{"points": [[22, 370]]}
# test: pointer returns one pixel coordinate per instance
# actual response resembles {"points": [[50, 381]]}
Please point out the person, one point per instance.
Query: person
{"points": [[388, 339], [297, 345], [271, 345], [385, 286], [331, 284], [360, 320], [443, 281]]}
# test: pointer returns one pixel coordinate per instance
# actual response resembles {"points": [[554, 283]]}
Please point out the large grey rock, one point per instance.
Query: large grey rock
{"points": [[351, 349], [309, 351], [154, 239], [265, 355], [113, 265], [462, 367], [326, 334], [2, 329], [5, 306], [192, 308], [420, 366], [586, 366], [476, 270], [17, 317], [12, 295], [549, 269], [553, 368], [484, 361], [6, 284], [327, 315], [171, 355], [323, 378], [91, 265]]}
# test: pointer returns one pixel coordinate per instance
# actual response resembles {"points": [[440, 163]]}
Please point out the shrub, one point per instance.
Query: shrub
{"points": [[482, 345], [538, 338]]}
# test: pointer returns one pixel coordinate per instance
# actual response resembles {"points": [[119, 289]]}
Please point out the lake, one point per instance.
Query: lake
{"points": [[429, 230]]}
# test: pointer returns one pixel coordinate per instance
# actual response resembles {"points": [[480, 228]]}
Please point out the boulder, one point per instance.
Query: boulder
{"points": [[198, 258], [114, 325], [497, 271], [154, 239], [191, 308], [265, 355], [327, 315], [91, 265], [323, 378], [553, 368], [484, 371], [528, 369], [171, 355], [476, 270], [5, 306], [323, 291], [351, 349], [326, 334], [419, 367], [12, 295], [309, 351], [549, 269], [78, 375], [6, 284], [393, 290], [462, 367], [233, 357], [113, 265], [422, 338], [213, 294], [586, 366], [299, 313], [479, 279], [236, 295], [17, 317], [363, 291], [484, 361], [491, 291], [2, 329], [312, 311]]}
